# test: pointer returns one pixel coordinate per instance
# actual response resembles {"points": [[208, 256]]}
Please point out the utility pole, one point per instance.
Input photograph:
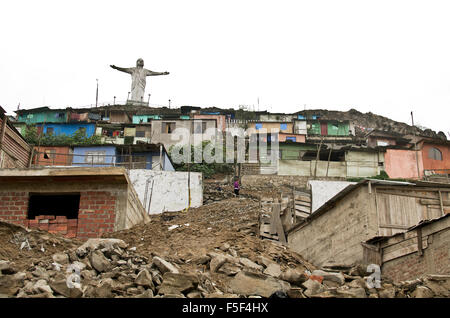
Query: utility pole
{"points": [[169, 103], [148, 101], [415, 146], [114, 100], [96, 95]]}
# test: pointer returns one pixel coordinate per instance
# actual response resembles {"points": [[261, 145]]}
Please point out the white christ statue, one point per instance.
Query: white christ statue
{"points": [[138, 77]]}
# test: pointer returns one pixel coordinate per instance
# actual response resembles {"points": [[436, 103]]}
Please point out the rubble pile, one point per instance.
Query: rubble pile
{"points": [[207, 252], [355, 282], [111, 268], [218, 190]]}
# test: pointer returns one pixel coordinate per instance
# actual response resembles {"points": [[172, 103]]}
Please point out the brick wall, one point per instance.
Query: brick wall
{"points": [[55, 225], [96, 215], [435, 260], [14, 207]]}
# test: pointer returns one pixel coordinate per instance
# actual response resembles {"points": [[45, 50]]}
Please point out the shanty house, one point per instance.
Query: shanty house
{"points": [[14, 150], [360, 212], [42, 115], [422, 249], [140, 156]]}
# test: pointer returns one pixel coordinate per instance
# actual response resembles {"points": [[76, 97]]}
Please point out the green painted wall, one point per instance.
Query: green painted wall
{"points": [[314, 129], [137, 118], [44, 117], [292, 152], [338, 129], [334, 128]]}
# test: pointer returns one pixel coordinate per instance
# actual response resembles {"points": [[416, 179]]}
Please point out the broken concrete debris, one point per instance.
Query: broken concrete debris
{"points": [[134, 275], [193, 262]]}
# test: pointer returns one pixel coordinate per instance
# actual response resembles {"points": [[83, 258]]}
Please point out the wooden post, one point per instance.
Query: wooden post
{"points": [[293, 205], [3, 129], [31, 157], [415, 147], [328, 163], [276, 223], [129, 157], [2, 134], [160, 157], [318, 156], [419, 241], [151, 195], [441, 203]]}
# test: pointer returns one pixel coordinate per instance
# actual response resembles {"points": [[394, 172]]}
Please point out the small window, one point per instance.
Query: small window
{"points": [[50, 131], [82, 130], [198, 127], [435, 154], [95, 157], [168, 128], [49, 153], [140, 133]]}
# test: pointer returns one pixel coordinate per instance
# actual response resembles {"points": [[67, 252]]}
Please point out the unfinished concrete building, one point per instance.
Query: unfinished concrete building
{"points": [[75, 202]]}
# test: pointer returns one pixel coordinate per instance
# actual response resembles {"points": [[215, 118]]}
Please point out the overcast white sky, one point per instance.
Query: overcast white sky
{"points": [[387, 57]]}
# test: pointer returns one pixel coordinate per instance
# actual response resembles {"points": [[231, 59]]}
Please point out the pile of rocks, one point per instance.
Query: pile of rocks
{"points": [[353, 282], [99, 268], [110, 268]]}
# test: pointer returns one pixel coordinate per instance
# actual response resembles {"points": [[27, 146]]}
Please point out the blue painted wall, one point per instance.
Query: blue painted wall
{"points": [[79, 156], [69, 129]]}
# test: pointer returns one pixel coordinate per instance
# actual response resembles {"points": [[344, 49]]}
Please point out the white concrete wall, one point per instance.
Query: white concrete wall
{"points": [[300, 127], [322, 191], [170, 189]]}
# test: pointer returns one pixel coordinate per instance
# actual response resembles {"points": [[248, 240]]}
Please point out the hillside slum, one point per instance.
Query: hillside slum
{"points": [[349, 196]]}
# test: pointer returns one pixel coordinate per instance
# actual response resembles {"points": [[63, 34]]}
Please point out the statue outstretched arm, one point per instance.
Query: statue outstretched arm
{"points": [[151, 73], [122, 69]]}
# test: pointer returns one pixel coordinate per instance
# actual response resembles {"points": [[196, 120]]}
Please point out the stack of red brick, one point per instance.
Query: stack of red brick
{"points": [[55, 224]]}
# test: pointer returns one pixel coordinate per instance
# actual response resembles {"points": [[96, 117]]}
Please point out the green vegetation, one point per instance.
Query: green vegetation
{"points": [[77, 138], [208, 169]]}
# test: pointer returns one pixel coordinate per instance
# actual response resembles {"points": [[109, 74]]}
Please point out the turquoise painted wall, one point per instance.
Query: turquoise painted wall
{"points": [[137, 118], [44, 117]]}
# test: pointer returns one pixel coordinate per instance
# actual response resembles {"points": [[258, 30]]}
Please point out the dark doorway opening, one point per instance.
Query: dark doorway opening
{"points": [[54, 204]]}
